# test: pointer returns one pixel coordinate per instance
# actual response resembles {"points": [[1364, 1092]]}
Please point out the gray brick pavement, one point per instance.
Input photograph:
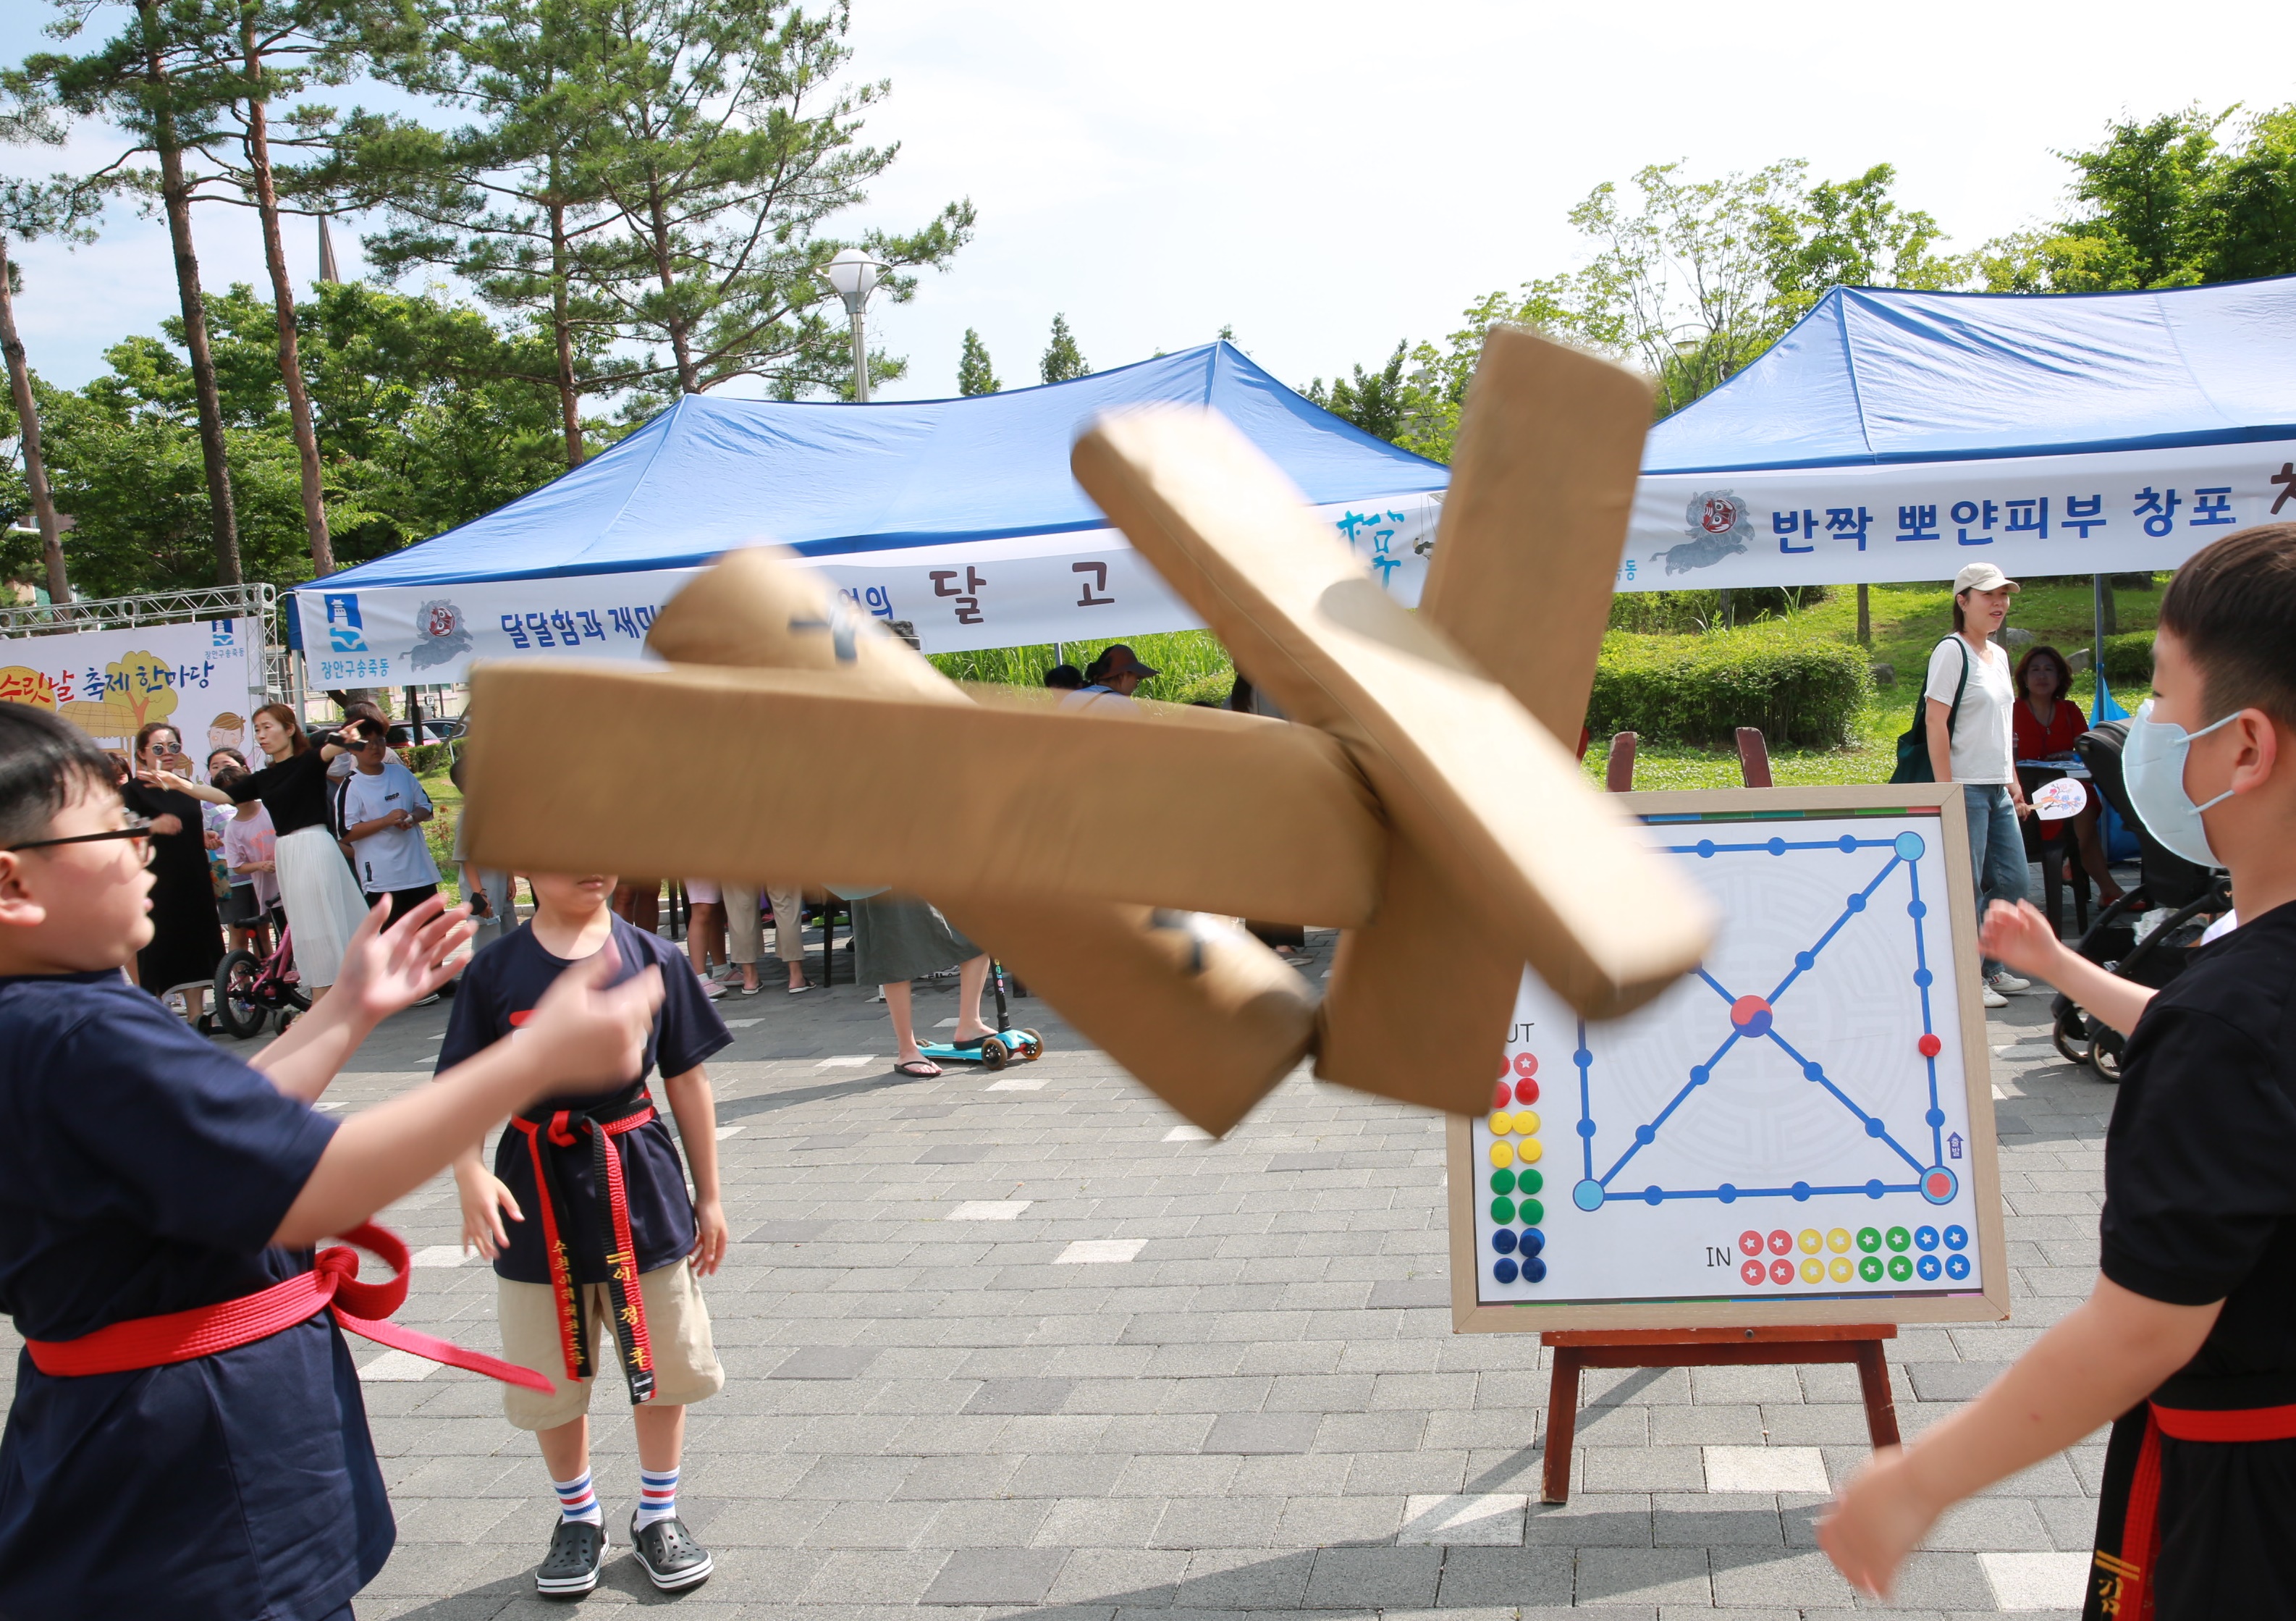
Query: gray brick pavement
{"points": [[1263, 1412]]}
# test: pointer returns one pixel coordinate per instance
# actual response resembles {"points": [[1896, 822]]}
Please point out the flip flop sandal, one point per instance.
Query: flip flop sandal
{"points": [[918, 1069], [800, 990]]}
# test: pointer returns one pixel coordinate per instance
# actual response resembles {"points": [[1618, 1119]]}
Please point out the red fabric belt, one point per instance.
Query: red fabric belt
{"points": [[2236, 1423], [331, 1285], [2121, 1577], [563, 1129]]}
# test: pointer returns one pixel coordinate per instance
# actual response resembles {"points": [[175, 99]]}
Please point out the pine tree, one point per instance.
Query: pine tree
{"points": [[974, 374], [1062, 361]]}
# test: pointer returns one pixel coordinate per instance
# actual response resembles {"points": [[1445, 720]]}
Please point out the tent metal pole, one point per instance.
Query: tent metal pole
{"points": [[2100, 585]]}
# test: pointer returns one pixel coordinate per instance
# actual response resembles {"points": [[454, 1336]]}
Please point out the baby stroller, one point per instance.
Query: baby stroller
{"points": [[2192, 896]]}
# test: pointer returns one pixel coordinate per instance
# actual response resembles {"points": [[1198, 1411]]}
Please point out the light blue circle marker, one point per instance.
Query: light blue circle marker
{"points": [[1909, 846], [1588, 1193], [1938, 1185]]}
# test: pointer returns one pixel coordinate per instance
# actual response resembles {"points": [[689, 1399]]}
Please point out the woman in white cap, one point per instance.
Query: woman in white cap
{"points": [[1970, 716]]}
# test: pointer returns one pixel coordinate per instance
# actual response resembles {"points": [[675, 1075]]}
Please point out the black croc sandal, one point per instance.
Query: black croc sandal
{"points": [[578, 1552], [673, 1561]]}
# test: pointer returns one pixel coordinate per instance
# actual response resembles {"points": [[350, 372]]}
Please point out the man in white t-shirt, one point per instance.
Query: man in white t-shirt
{"points": [[1109, 679], [381, 812], [1970, 713]]}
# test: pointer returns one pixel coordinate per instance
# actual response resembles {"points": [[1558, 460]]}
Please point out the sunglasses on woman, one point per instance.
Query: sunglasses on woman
{"points": [[134, 830]]}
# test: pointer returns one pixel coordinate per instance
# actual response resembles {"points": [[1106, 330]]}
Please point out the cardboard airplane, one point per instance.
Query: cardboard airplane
{"points": [[1421, 798]]}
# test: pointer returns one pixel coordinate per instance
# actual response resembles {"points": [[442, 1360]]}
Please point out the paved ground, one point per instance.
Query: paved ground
{"points": [[1017, 1345]]}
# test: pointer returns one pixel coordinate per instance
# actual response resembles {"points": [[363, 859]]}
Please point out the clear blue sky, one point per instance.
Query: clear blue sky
{"points": [[1329, 175]]}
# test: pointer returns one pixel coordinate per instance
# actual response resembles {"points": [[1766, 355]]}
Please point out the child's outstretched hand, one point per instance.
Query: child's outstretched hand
{"points": [[485, 1202], [1876, 1521], [708, 1235], [384, 972], [585, 1038], [2020, 936]]}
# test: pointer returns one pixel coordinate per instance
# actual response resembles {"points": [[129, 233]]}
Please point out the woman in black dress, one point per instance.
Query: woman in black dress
{"points": [[186, 935], [323, 900]]}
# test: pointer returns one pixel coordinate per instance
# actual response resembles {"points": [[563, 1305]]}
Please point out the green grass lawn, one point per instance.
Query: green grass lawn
{"points": [[1908, 620]]}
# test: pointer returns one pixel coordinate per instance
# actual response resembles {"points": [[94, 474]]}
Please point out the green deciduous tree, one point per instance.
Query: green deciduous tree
{"points": [[1062, 361], [2176, 201], [974, 373]]}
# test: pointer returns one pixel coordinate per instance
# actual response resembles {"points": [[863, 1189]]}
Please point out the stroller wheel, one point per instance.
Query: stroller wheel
{"points": [[2071, 1047], [2104, 1052]]}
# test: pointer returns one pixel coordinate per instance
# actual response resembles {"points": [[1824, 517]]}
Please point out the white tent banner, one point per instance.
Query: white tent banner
{"points": [[2106, 512], [1076, 586], [200, 677]]}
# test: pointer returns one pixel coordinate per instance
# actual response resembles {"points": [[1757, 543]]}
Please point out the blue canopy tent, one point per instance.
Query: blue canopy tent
{"points": [[956, 517], [1894, 435]]}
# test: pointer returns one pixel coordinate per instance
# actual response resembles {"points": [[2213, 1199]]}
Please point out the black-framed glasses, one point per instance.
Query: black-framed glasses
{"points": [[134, 830]]}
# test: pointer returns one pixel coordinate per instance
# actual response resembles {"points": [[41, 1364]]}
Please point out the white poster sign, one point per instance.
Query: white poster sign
{"points": [[204, 678], [1075, 586], [2101, 513]]}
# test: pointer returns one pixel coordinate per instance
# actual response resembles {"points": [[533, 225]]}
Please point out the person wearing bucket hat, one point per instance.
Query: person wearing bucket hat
{"points": [[1970, 714], [1115, 674]]}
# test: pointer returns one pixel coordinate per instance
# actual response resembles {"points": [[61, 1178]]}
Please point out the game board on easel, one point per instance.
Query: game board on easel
{"points": [[1799, 1131]]}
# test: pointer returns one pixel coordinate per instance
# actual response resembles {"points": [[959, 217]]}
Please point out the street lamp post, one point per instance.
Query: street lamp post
{"points": [[855, 276]]}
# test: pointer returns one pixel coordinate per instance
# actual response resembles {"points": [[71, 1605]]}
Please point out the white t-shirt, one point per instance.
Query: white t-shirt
{"points": [[1089, 698], [1984, 733], [398, 858]]}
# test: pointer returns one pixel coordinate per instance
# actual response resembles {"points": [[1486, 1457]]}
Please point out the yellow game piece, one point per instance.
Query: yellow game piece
{"points": [[1526, 1121], [1843, 1269], [1529, 1148], [1811, 1240], [1502, 1123], [1502, 1155], [1813, 1270], [1838, 1240]]}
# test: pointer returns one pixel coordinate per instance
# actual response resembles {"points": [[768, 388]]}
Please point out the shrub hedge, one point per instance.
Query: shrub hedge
{"points": [[2128, 656], [1801, 691]]}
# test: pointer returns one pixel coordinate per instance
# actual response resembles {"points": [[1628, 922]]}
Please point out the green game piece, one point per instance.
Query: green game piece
{"points": [[1502, 1181], [1869, 1240], [1530, 1181], [1533, 1212], [1502, 1211], [1899, 1239], [1901, 1268], [1870, 1268]]}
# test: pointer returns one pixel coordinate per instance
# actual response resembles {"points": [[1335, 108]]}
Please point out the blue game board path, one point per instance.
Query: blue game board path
{"points": [[1753, 1018]]}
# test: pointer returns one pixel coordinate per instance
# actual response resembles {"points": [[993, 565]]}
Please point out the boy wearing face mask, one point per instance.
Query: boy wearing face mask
{"points": [[2187, 1344]]}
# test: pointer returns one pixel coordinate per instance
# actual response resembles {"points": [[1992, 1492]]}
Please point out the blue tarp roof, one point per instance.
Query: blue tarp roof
{"points": [[711, 474], [1876, 376]]}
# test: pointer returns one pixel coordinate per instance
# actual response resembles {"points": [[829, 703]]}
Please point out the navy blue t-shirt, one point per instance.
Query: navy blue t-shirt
{"points": [[143, 1172], [498, 991]]}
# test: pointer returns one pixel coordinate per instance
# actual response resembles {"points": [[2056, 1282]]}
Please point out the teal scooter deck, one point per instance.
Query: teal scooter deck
{"points": [[997, 1049]]}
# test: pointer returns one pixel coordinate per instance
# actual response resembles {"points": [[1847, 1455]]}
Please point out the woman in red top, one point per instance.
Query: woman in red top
{"points": [[2046, 723]]}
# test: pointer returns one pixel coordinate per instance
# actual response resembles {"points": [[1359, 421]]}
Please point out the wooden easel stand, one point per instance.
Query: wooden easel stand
{"points": [[1578, 1348]]}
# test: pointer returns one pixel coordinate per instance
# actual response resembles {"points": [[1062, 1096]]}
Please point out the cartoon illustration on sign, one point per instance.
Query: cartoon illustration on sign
{"points": [[441, 636], [1718, 528]]}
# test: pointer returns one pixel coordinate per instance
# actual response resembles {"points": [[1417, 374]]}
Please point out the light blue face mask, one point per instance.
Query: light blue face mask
{"points": [[2152, 770]]}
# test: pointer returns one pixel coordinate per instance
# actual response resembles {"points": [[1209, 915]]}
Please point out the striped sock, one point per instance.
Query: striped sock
{"points": [[657, 1496], [578, 1500]]}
